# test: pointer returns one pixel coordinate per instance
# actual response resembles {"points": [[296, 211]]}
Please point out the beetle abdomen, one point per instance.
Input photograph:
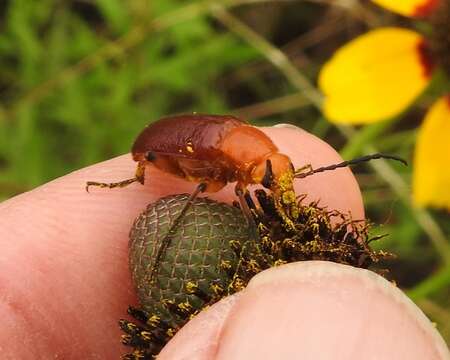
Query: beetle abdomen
{"points": [[196, 136]]}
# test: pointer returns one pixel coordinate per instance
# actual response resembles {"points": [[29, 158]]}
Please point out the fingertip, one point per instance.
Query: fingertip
{"points": [[318, 309], [199, 338], [79, 239]]}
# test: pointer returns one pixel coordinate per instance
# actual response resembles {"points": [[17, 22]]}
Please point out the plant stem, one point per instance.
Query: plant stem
{"points": [[435, 282]]}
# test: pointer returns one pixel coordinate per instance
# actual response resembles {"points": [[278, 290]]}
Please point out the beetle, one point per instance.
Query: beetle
{"points": [[214, 150]]}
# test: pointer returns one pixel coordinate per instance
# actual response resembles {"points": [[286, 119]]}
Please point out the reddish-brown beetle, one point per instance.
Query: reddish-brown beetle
{"points": [[213, 150]]}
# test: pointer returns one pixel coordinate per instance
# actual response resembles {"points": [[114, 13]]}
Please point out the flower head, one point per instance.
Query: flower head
{"points": [[381, 73]]}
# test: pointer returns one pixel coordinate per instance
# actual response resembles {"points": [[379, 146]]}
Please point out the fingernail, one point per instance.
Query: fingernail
{"points": [[288, 126]]}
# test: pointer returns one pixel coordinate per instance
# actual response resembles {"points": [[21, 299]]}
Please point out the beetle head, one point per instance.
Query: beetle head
{"points": [[276, 173], [150, 156], [271, 170]]}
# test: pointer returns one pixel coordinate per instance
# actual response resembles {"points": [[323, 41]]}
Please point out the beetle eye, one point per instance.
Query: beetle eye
{"points": [[267, 180], [150, 156]]}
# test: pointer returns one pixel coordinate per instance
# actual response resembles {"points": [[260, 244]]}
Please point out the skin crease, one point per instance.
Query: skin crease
{"points": [[64, 279]]}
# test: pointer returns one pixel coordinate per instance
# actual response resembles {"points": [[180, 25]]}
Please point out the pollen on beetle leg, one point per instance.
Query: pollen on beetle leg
{"points": [[285, 200], [288, 197]]}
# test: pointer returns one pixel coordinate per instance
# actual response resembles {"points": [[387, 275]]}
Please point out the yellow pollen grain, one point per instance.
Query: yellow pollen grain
{"points": [[217, 289], [225, 264], [285, 181], [288, 197], [279, 262], [191, 287], [185, 306], [131, 327], [170, 332], [154, 320]]}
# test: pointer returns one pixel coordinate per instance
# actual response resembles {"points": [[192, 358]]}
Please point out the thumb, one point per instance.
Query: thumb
{"points": [[312, 310]]}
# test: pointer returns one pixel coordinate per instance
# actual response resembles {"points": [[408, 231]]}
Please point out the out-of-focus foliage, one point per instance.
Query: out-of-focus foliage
{"points": [[79, 79], [57, 116]]}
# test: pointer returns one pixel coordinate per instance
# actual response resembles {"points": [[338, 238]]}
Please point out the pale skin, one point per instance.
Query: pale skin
{"points": [[64, 279]]}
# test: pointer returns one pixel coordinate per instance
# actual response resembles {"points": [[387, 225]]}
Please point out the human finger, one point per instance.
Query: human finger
{"points": [[72, 247], [311, 310]]}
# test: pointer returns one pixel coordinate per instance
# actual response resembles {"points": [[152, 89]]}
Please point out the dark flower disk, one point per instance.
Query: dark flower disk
{"points": [[213, 253]]}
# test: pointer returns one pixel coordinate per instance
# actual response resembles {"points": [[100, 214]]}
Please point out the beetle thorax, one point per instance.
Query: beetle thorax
{"points": [[246, 146]]}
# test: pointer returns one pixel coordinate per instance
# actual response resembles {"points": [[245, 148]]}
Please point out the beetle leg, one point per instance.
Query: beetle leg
{"points": [[285, 205], [285, 200], [165, 242], [139, 177], [241, 194], [251, 204], [303, 170]]}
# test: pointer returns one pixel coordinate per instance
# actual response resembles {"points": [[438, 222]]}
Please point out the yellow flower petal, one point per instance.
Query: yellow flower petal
{"points": [[409, 7], [431, 177], [374, 77]]}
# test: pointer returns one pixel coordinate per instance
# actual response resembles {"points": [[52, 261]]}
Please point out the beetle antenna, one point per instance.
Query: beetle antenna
{"points": [[355, 161]]}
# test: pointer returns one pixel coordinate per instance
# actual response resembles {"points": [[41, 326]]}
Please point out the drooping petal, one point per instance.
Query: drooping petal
{"points": [[417, 8], [374, 77], [431, 173]]}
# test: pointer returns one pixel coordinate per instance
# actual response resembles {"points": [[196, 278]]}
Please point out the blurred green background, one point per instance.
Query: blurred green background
{"points": [[80, 79]]}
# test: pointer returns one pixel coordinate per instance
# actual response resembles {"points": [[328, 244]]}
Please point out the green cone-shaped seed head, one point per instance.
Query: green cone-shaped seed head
{"points": [[198, 245]]}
